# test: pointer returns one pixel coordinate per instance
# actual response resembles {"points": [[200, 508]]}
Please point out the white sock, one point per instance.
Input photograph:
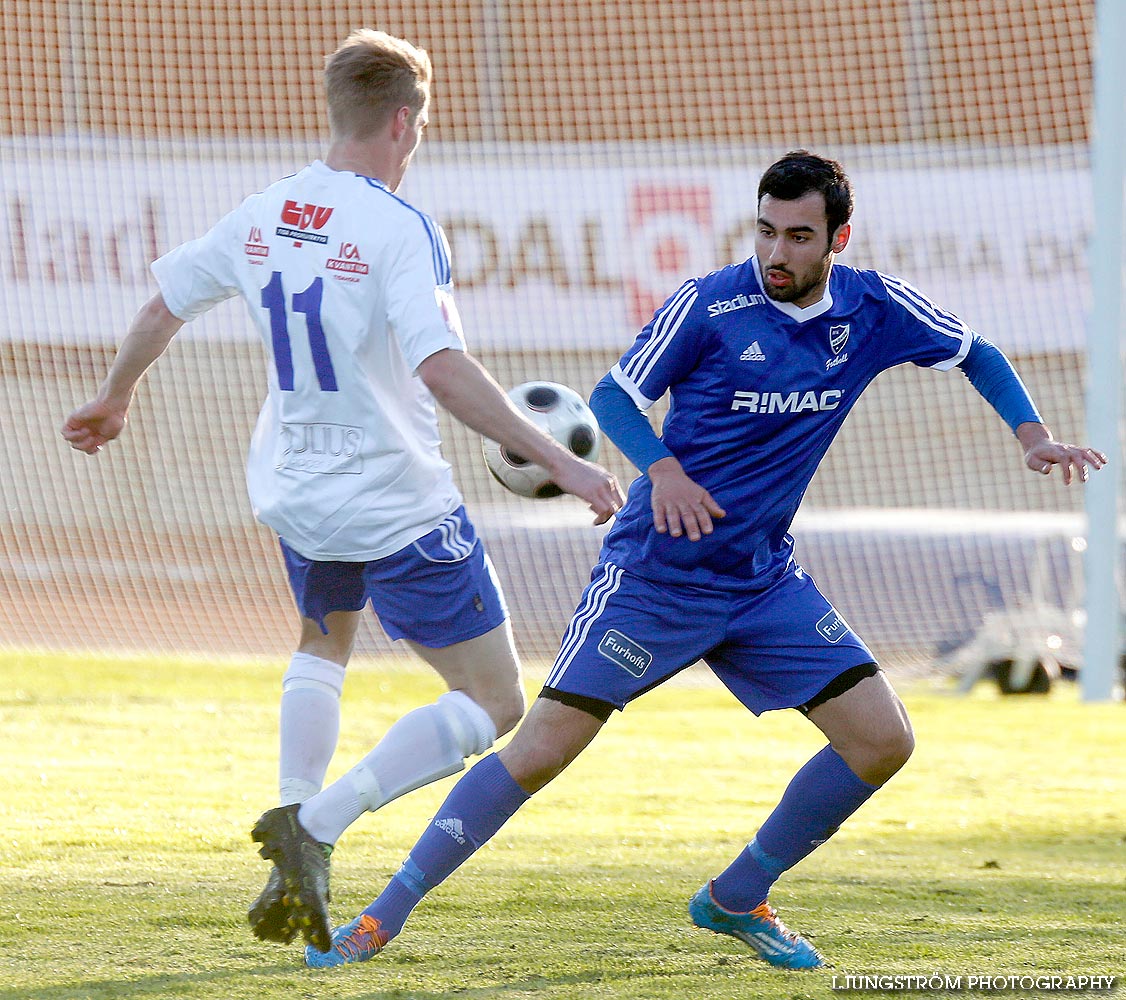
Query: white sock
{"points": [[310, 725], [424, 745]]}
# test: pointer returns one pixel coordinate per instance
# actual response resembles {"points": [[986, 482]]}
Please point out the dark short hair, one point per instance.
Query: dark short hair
{"points": [[799, 172]]}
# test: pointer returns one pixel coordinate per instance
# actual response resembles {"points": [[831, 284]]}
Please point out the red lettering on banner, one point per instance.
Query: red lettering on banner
{"points": [[670, 226], [63, 251]]}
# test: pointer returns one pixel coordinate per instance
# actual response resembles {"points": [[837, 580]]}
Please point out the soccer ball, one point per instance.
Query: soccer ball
{"points": [[562, 413]]}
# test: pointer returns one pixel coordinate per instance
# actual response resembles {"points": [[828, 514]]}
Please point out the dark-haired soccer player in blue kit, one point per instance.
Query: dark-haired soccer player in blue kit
{"points": [[763, 360]]}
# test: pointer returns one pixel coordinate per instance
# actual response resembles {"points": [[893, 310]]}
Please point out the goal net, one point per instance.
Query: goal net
{"points": [[584, 157]]}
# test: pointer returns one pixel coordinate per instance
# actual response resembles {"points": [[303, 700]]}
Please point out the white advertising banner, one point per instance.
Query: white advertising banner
{"points": [[559, 254]]}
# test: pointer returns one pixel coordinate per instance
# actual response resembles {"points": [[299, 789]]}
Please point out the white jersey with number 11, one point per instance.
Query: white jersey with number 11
{"points": [[350, 289]]}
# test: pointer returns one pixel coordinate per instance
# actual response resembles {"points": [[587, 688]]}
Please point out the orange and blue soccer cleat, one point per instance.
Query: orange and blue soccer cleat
{"points": [[761, 929], [356, 941]]}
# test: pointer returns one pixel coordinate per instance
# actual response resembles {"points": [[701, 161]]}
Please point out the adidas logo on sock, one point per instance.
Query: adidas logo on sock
{"points": [[453, 827], [753, 353]]}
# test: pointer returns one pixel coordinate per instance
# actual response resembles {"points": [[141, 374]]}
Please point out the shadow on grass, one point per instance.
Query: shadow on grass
{"points": [[187, 984], [528, 985]]}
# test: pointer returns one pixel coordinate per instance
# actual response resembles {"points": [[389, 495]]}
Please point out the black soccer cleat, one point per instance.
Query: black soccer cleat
{"points": [[268, 914], [303, 868]]}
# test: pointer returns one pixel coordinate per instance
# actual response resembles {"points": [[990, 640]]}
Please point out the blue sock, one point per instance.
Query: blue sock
{"points": [[821, 796], [477, 806]]}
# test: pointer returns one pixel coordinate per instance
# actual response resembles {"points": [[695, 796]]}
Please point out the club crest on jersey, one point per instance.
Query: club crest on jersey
{"points": [[631, 656], [299, 218], [838, 337]]}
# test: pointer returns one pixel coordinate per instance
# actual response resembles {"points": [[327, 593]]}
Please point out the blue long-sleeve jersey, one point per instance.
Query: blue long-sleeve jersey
{"points": [[758, 392]]}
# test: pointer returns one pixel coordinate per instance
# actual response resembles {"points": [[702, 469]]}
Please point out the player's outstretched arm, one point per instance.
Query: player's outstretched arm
{"points": [[1041, 453], [102, 419], [460, 383], [992, 375]]}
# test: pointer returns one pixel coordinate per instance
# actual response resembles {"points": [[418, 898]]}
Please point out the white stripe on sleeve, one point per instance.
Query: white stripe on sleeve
{"points": [[643, 402], [939, 320], [665, 325]]}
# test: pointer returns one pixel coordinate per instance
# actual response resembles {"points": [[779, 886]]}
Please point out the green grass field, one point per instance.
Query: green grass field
{"points": [[130, 785]]}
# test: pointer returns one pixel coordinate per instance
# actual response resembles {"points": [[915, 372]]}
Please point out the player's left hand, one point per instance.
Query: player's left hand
{"points": [[680, 505], [1072, 459], [92, 425]]}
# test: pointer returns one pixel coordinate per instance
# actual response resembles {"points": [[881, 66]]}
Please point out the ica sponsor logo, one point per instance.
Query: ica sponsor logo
{"points": [[347, 265], [256, 250]]}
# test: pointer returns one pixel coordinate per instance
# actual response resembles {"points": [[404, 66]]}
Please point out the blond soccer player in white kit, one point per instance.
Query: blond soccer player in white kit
{"points": [[350, 288]]}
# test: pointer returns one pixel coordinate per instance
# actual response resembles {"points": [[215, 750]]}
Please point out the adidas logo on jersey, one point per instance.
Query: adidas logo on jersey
{"points": [[753, 353], [453, 827]]}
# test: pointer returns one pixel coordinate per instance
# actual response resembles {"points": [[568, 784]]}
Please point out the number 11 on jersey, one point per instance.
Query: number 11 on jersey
{"points": [[308, 303]]}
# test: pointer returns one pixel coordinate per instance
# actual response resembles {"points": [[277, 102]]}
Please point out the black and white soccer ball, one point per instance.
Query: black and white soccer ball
{"points": [[563, 414]]}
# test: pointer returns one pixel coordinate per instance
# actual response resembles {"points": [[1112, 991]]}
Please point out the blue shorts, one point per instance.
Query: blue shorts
{"points": [[438, 590], [773, 648]]}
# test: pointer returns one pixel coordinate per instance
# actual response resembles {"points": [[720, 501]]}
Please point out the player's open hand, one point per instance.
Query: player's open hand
{"points": [[1072, 460], [93, 425], [681, 506], [592, 483]]}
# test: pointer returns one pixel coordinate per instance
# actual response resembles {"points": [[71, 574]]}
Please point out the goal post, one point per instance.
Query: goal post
{"points": [[1106, 342]]}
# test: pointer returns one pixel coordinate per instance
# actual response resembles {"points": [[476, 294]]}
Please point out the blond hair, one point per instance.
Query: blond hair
{"points": [[370, 77]]}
